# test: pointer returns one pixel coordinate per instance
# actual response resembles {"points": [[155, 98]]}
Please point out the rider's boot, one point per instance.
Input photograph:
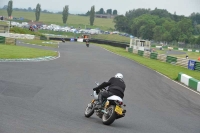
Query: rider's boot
{"points": [[99, 103]]}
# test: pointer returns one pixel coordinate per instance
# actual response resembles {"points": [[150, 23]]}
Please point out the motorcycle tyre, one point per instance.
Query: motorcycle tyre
{"points": [[90, 113], [111, 119]]}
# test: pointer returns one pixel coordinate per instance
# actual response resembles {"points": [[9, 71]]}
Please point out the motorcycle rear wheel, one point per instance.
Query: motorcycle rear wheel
{"points": [[89, 111], [109, 118]]}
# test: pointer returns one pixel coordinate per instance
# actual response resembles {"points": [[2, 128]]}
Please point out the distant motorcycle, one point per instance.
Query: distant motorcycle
{"points": [[112, 108], [63, 40], [87, 43]]}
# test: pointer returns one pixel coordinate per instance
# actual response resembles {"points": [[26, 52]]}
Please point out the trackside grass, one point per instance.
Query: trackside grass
{"points": [[167, 69], [17, 52], [73, 20]]}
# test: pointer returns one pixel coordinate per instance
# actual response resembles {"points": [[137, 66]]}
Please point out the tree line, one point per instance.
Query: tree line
{"points": [[102, 11], [38, 10], [29, 9], [160, 25]]}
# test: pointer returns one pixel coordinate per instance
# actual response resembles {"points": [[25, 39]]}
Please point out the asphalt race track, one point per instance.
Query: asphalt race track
{"points": [[51, 96]]}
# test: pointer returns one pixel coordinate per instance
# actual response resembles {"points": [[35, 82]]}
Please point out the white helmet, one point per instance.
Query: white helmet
{"points": [[119, 75]]}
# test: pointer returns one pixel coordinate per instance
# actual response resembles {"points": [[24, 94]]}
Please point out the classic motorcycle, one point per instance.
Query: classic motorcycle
{"points": [[112, 108], [63, 40], [87, 44]]}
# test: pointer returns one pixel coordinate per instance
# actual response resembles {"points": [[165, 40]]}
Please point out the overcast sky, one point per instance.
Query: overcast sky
{"points": [[181, 7]]}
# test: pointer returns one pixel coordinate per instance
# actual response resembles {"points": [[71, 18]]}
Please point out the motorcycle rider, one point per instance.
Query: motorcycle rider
{"points": [[116, 87], [87, 42]]}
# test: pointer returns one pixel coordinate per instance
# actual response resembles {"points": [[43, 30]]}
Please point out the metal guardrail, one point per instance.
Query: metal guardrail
{"points": [[99, 41]]}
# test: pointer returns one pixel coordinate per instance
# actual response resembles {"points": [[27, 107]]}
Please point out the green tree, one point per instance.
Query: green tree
{"points": [[195, 17], [186, 28], [167, 37], [101, 11], [37, 12], [198, 41], [148, 22], [88, 13], [168, 25], [192, 40], [65, 14], [10, 8], [114, 12], [196, 31], [131, 14], [160, 12], [29, 9], [92, 15], [109, 11], [175, 33], [146, 30], [120, 23]]}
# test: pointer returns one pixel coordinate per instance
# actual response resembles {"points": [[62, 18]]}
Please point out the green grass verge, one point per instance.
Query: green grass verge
{"points": [[41, 42], [167, 69], [17, 52], [73, 20]]}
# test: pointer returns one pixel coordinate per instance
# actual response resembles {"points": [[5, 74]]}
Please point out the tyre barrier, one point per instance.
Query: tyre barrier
{"points": [[140, 52], [197, 66], [171, 59], [153, 56]]}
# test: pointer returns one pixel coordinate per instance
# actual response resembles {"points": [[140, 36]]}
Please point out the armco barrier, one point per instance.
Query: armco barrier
{"points": [[99, 41], [189, 81], [111, 43]]}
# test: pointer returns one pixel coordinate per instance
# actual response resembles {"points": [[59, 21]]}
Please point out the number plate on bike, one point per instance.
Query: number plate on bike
{"points": [[118, 110]]}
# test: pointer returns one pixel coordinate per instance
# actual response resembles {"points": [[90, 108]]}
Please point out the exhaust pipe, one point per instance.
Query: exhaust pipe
{"points": [[104, 111]]}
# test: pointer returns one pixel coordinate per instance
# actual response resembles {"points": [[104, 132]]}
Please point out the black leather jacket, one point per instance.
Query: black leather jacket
{"points": [[116, 86]]}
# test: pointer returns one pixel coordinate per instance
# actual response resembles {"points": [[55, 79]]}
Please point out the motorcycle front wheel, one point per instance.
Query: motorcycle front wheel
{"points": [[110, 117], [89, 111]]}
